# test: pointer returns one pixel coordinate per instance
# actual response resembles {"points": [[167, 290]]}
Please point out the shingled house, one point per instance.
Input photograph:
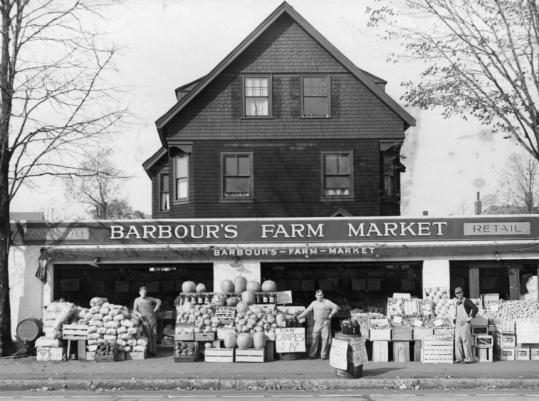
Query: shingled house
{"points": [[285, 125]]}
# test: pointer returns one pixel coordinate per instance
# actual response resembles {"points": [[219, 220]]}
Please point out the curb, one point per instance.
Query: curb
{"points": [[263, 384]]}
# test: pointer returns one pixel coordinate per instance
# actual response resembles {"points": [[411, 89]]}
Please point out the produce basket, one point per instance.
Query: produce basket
{"points": [[107, 358], [186, 351]]}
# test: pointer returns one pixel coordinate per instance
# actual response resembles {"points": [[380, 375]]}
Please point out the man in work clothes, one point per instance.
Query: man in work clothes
{"points": [[466, 311], [148, 307], [323, 310]]}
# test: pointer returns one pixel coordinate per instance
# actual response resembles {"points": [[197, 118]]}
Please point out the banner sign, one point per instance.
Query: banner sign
{"points": [[338, 354], [273, 231], [284, 297], [290, 339], [359, 352]]}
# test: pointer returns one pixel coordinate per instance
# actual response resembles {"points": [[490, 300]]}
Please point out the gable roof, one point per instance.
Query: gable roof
{"points": [[284, 8], [153, 160]]}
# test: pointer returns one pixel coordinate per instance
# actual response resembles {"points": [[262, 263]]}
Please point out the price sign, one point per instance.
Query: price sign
{"points": [[338, 354], [225, 314], [359, 352], [290, 339], [283, 297]]}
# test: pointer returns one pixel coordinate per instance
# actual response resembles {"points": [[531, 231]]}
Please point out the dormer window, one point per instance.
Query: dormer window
{"points": [[316, 91], [257, 96], [181, 177]]}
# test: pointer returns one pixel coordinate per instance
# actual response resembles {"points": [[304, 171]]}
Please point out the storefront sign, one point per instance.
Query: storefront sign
{"points": [[290, 339], [284, 297], [359, 352], [338, 354], [498, 228], [225, 314]]}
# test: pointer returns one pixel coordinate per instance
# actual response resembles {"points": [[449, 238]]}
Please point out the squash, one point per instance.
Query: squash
{"points": [[245, 341], [269, 286], [248, 297], [253, 286], [200, 288], [231, 340], [259, 340], [188, 287], [227, 286], [240, 283]]}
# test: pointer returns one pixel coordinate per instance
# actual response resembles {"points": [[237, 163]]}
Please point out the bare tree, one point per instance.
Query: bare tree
{"points": [[100, 187], [55, 99], [480, 58]]}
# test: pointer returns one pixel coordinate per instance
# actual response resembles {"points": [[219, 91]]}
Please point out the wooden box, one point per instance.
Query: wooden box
{"points": [[380, 351], [184, 332], [534, 353], [401, 334], [478, 330], [380, 334], [419, 333], [56, 354], [135, 355], [90, 355], [437, 351], [75, 332], [505, 354], [42, 354], [506, 340], [205, 336], [484, 340], [444, 332], [522, 354], [249, 355], [484, 354], [219, 355]]}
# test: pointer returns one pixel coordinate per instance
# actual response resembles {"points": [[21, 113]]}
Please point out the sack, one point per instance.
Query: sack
{"points": [[47, 342]]}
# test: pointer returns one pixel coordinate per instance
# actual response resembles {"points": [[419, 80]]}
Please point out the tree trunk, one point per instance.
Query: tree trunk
{"points": [[5, 314]]}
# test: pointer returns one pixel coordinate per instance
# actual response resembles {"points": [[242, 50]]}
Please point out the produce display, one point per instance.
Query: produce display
{"points": [[185, 350], [403, 307], [511, 310], [442, 304], [106, 349]]}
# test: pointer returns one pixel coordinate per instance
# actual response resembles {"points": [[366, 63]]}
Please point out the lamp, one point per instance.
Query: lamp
{"points": [[42, 263]]}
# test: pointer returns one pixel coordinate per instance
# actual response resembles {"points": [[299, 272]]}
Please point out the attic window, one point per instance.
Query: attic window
{"points": [[257, 96], [316, 96]]}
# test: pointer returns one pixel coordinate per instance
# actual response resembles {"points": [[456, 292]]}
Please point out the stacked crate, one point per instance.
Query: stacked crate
{"points": [[484, 348], [401, 338], [419, 334], [437, 349], [527, 336], [505, 340]]}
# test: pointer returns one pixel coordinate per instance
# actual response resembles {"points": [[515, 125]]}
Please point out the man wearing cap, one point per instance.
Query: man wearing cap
{"points": [[323, 310], [148, 307], [465, 312]]}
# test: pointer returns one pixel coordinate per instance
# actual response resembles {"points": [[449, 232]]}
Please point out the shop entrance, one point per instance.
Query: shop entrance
{"points": [[509, 279], [351, 285]]}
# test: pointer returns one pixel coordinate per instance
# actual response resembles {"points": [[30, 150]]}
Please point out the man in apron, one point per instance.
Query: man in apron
{"points": [[466, 311], [148, 307], [323, 310]]}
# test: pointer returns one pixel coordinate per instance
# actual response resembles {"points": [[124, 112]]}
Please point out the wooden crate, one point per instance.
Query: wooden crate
{"points": [[522, 354], [437, 350], [401, 334], [380, 351], [90, 355], [380, 334], [205, 336], [505, 354], [417, 350], [506, 340], [401, 351], [484, 354], [219, 355], [534, 353], [249, 355], [270, 351], [75, 332], [42, 354], [135, 355], [444, 332], [483, 340], [478, 330], [419, 333]]}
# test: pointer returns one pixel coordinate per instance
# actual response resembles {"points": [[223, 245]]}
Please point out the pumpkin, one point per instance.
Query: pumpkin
{"points": [[253, 286], [188, 287], [227, 286], [230, 340], [240, 283], [269, 286], [259, 340], [245, 341], [200, 287], [241, 307], [248, 297], [232, 301]]}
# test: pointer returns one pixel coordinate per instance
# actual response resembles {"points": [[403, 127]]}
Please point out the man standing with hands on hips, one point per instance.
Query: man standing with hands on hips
{"points": [[466, 311], [323, 310]]}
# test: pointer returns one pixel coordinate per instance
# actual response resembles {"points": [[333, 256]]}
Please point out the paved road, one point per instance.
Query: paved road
{"points": [[495, 395]]}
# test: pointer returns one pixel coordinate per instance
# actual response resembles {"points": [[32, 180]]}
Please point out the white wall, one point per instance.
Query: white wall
{"points": [[223, 271], [435, 274], [25, 290]]}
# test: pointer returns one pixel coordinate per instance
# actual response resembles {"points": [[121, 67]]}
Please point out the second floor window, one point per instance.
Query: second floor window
{"points": [[181, 177], [391, 169], [257, 93], [237, 176], [337, 174], [164, 194], [316, 99]]}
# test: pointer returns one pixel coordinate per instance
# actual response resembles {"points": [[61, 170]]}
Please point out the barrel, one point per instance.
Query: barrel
{"points": [[28, 330]]}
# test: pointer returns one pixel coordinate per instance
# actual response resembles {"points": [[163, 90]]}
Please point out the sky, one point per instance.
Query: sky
{"points": [[167, 43]]}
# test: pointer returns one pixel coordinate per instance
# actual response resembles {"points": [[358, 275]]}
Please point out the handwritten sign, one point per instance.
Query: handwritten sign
{"points": [[338, 354], [290, 339], [359, 352], [284, 297], [265, 308], [225, 314]]}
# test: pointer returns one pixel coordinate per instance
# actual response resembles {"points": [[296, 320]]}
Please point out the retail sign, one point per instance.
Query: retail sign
{"points": [[338, 354], [290, 339], [284, 297], [497, 228], [279, 231], [359, 352]]}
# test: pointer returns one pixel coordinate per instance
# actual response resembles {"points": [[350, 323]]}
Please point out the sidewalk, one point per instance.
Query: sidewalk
{"points": [[162, 372]]}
